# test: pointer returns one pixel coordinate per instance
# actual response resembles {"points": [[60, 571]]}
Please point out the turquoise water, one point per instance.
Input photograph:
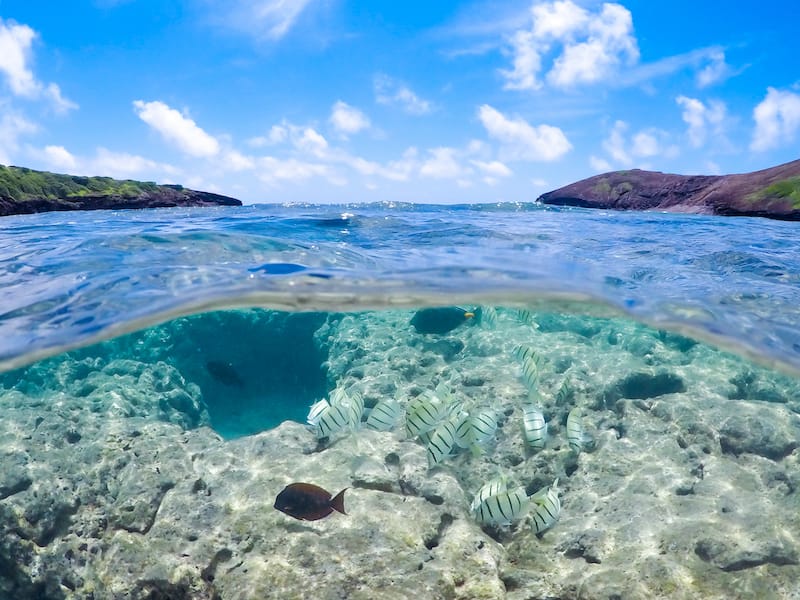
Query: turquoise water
{"points": [[159, 367]]}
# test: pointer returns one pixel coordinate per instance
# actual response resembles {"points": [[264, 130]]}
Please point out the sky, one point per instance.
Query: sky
{"points": [[448, 102]]}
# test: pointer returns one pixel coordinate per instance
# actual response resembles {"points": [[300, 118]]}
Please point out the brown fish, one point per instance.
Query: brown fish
{"points": [[308, 502]]}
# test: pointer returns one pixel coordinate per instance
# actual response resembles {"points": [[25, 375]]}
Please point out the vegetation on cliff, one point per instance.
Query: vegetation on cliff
{"points": [[25, 190]]}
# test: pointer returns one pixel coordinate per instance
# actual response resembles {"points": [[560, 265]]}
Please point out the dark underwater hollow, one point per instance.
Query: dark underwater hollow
{"points": [[252, 369]]}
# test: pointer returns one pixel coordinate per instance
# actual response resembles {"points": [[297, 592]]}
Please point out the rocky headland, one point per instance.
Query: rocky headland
{"points": [[25, 191], [773, 193]]}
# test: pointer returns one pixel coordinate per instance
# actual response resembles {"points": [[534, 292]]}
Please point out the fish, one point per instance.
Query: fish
{"points": [[575, 435], [332, 419], [439, 320], [503, 508], [476, 428], [534, 427], [488, 317], [384, 415], [441, 442], [526, 317], [564, 393], [523, 353], [548, 508], [225, 373], [316, 411], [352, 401], [309, 502], [423, 414], [492, 488], [530, 375]]}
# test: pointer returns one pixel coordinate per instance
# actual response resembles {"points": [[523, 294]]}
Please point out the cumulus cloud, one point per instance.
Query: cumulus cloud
{"points": [[123, 165], [715, 71], [12, 126], [348, 120], [601, 165], [394, 93], [177, 128], [627, 149], [15, 57], [572, 44], [263, 19], [443, 163], [700, 117], [274, 170], [522, 141], [59, 157], [777, 120], [492, 168]]}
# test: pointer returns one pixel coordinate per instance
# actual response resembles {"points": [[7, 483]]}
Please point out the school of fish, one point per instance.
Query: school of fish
{"points": [[444, 424]]}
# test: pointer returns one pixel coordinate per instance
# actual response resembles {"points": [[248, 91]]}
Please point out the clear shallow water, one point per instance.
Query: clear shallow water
{"points": [[145, 465], [67, 279]]}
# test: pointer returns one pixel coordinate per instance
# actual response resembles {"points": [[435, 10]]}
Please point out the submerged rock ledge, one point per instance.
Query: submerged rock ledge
{"points": [[25, 191], [773, 193]]}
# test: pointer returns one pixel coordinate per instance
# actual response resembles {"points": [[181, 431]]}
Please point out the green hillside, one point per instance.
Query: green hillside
{"points": [[21, 184]]}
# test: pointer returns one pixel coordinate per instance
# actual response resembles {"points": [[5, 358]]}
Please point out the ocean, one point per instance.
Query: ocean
{"points": [[521, 401]]}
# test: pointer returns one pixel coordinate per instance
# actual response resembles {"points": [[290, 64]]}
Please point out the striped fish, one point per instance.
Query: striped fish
{"points": [[333, 419], [476, 429], [534, 427], [525, 316], [441, 443], [503, 508], [316, 411], [492, 488], [488, 317], [352, 401], [548, 508], [384, 415], [530, 375], [575, 435], [522, 353], [564, 393], [423, 414]]}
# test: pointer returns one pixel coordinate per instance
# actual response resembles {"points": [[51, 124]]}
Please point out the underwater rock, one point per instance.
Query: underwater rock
{"points": [[752, 434], [730, 555]]}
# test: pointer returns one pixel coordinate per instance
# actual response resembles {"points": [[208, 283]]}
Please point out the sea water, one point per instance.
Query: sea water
{"points": [[159, 366]]}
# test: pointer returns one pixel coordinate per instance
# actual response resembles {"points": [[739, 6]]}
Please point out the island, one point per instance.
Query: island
{"points": [[773, 193], [25, 191]]}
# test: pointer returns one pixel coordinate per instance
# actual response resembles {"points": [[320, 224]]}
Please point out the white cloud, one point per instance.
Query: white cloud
{"points": [[699, 117], [277, 135], [527, 63], [347, 120], [443, 164], [645, 143], [177, 128], [522, 141], [492, 168], [263, 19], [601, 165], [715, 71], [123, 165], [12, 126], [274, 170], [232, 160], [309, 140], [583, 47], [391, 92], [15, 46], [626, 150], [15, 56], [777, 120], [59, 157]]}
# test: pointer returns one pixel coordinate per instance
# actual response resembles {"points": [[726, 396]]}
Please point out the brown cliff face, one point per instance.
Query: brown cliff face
{"points": [[772, 193]]}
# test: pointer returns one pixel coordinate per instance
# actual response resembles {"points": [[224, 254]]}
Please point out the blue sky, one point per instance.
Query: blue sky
{"points": [[342, 101]]}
